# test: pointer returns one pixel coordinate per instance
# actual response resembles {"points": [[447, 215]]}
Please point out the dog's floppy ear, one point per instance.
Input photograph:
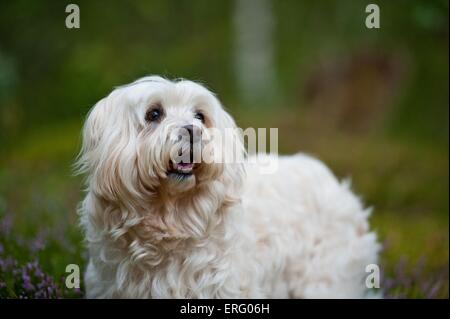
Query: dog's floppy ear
{"points": [[108, 154], [92, 133]]}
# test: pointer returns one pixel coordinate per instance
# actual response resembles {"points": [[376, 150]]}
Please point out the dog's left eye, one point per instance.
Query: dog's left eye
{"points": [[200, 116], [153, 115]]}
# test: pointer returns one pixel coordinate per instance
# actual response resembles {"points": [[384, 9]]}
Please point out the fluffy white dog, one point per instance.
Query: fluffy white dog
{"points": [[160, 228]]}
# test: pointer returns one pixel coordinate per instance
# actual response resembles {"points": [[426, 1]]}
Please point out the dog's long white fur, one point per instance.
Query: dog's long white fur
{"points": [[226, 232]]}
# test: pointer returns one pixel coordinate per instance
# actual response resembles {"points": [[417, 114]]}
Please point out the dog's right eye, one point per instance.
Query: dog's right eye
{"points": [[153, 115]]}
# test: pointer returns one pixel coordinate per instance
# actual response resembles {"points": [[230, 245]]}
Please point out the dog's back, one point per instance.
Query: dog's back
{"points": [[311, 230]]}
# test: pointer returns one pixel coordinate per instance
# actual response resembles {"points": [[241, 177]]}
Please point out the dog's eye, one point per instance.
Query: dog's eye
{"points": [[200, 116], [153, 115]]}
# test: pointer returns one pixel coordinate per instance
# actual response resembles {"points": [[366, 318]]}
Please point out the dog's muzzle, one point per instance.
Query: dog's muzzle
{"points": [[187, 158]]}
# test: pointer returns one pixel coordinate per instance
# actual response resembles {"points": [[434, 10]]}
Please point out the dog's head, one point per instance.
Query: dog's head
{"points": [[150, 138]]}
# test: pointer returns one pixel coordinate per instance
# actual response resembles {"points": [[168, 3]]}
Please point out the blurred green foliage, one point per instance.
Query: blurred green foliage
{"points": [[373, 104], [50, 73]]}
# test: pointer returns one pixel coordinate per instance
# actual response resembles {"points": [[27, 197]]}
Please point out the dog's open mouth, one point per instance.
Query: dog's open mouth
{"points": [[181, 170]]}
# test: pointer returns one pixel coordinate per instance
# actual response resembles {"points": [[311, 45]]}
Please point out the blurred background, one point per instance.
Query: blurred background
{"points": [[372, 103]]}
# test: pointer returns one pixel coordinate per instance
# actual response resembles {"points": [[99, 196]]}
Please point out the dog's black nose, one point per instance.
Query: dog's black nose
{"points": [[189, 129]]}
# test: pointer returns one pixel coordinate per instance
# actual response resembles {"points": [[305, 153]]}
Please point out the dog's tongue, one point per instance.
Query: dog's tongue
{"points": [[183, 166]]}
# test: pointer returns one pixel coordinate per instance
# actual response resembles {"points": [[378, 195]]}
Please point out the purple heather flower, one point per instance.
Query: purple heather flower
{"points": [[25, 276], [434, 290], [28, 286], [6, 224], [38, 243], [38, 273]]}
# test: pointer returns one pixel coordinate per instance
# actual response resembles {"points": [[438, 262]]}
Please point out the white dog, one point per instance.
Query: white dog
{"points": [[158, 228]]}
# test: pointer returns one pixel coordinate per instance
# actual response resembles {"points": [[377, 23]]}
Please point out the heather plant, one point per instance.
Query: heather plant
{"points": [[21, 272]]}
